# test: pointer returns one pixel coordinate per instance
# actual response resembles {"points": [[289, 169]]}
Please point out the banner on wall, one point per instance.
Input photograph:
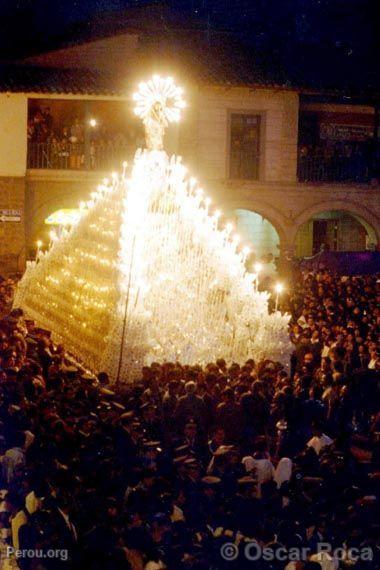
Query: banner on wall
{"points": [[341, 132]]}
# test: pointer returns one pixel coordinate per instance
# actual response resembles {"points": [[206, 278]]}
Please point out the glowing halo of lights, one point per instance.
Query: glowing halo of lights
{"points": [[160, 90]]}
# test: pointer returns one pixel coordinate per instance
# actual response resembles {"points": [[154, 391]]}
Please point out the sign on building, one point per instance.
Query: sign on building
{"points": [[10, 215], [340, 132]]}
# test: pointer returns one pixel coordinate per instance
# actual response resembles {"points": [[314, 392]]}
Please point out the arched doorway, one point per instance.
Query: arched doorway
{"points": [[335, 230], [54, 222], [259, 233]]}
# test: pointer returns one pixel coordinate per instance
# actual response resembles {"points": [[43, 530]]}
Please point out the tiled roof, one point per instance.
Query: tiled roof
{"points": [[190, 57], [197, 59], [28, 79], [218, 60]]}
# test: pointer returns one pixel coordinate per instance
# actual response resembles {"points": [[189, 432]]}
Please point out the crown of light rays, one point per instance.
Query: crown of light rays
{"points": [[161, 90]]}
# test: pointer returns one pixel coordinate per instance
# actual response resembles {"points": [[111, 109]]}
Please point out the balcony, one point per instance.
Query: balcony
{"points": [[78, 156], [354, 169]]}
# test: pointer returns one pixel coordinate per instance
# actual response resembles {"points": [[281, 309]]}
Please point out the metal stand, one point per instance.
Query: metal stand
{"points": [[125, 312]]}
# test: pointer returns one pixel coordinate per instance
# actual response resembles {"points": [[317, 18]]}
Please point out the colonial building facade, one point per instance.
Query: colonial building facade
{"points": [[294, 169]]}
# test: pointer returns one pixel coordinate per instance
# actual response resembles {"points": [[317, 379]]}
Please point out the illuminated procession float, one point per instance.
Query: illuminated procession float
{"points": [[147, 273]]}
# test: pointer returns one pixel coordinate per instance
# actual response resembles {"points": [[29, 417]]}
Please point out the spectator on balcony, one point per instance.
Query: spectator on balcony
{"points": [[76, 143], [101, 152], [63, 148], [76, 131], [40, 132], [65, 135], [54, 154], [40, 126], [304, 151], [54, 147], [92, 152], [30, 131], [48, 120], [120, 139]]}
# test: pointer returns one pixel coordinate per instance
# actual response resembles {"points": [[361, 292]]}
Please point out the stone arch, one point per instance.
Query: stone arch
{"points": [[268, 212], [56, 203], [356, 210], [43, 210], [258, 233], [371, 232]]}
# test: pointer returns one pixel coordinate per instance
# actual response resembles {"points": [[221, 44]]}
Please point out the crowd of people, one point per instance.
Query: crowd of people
{"points": [[54, 146], [198, 467], [337, 160]]}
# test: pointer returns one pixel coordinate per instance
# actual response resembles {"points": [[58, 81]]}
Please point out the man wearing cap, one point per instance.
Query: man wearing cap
{"points": [[150, 421], [247, 509], [126, 439], [210, 496], [150, 454], [193, 441]]}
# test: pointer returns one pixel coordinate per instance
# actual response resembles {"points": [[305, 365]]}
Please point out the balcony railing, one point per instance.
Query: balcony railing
{"points": [[334, 169], [77, 156]]}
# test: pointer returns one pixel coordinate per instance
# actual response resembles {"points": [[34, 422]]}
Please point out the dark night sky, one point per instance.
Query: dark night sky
{"points": [[335, 32]]}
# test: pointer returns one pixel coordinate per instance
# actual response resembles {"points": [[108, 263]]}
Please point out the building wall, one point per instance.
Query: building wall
{"points": [[279, 118], [188, 132], [202, 140], [12, 233], [13, 134], [13, 147]]}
